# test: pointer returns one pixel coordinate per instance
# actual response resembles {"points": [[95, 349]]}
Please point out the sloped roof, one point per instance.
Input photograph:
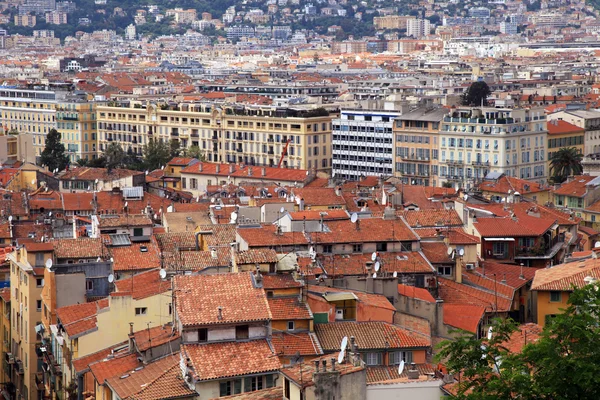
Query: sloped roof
{"points": [[564, 276], [463, 316], [289, 344]]}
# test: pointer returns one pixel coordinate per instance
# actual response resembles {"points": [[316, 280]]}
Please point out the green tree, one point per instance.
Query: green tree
{"points": [[194, 152], [82, 162], [564, 162], [476, 94], [564, 363], [174, 148], [447, 185], [156, 154], [54, 156], [114, 155]]}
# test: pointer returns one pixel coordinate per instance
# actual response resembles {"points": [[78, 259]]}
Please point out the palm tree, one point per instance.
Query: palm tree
{"points": [[566, 161]]}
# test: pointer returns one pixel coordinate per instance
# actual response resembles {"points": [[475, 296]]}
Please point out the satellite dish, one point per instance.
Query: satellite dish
{"points": [[162, 167], [306, 173], [597, 244], [162, 273], [10, 218], [112, 259], [197, 199], [89, 188], [395, 274], [155, 216], [282, 210], [49, 263], [212, 199], [450, 251], [111, 278], [354, 218], [311, 250], [401, 367], [344, 343], [489, 334], [377, 266], [98, 259], [594, 255], [96, 181], [341, 356], [504, 199], [374, 275], [461, 252], [374, 256], [466, 197], [50, 214]]}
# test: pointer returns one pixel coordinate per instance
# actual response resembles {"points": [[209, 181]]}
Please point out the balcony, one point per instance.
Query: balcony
{"points": [[270, 152], [239, 150], [546, 251], [174, 133], [412, 157], [481, 163], [454, 162], [215, 138], [271, 140], [496, 121], [239, 138], [454, 178]]}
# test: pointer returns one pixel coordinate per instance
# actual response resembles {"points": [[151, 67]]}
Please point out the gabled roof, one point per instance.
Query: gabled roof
{"points": [[302, 373], [280, 281], [508, 185], [267, 236], [79, 319], [367, 230], [368, 299], [270, 173], [576, 187], [142, 285], [524, 335], [156, 336], [564, 277], [228, 359], [369, 335], [415, 293], [432, 218], [463, 294], [561, 127], [80, 248], [140, 256], [288, 308], [90, 174], [199, 298], [316, 196], [124, 220], [117, 367], [524, 226], [406, 262], [290, 344], [463, 316]]}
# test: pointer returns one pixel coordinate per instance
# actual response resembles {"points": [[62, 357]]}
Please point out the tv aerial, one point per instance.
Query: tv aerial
{"points": [[48, 264], [111, 278]]}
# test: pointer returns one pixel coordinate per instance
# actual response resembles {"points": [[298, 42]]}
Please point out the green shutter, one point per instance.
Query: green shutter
{"points": [[321, 318]]}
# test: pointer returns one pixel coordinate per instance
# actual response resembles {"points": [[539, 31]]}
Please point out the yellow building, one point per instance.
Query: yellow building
{"points": [[416, 146], [250, 135], [76, 121], [392, 21], [5, 331], [26, 282], [563, 134]]}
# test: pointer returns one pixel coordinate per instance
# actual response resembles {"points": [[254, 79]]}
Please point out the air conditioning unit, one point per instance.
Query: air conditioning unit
{"points": [[339, 314], [47, 221], [11, 358], [470, 267]]}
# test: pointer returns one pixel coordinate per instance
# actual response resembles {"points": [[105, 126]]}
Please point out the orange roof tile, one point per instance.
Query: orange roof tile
{"points": [[280, 281], [81, 364], [270, 173], [463, 294], [228, 359], [290, 344], [408, 262], [266, 236], [256, 256], [200, 296], [143, 285], [302, 373], [564, 276], [432, 218], [288, 308], [368, 299], [80, 248], [415, 293], [139, 256], [504, 184], [463, 316], [383, 374], [560, 127], [364, 231], [153, 337], [523, 226], [316, 215], [574, 188], [524, 335], [118, 366], [274, 393]]}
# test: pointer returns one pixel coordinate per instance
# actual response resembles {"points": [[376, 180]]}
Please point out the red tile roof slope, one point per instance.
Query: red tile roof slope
{"points": [[289, 344]]}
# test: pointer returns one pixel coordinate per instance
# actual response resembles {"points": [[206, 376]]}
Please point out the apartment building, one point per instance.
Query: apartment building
{"points": [[76, 121], [475, 141], [363, 144], [563, 134], [250, 135], [416, 146], [391, 21], [26, 283], [418, 28]]}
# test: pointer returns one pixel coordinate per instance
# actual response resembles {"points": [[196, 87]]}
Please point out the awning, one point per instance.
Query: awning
{"points": [[340, 296], [499, 239]]}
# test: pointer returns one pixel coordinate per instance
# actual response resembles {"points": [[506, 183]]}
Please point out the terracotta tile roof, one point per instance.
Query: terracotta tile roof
{"points": [[316, 196], [77, 201], [288, 308], [266, 236], [290, 344], [111, 202], [112, 221], [436, 252], [81, 364], [274, 393], [78, 248], [280, 281], [463, 316], [271, 173], [153, 337], [390, 373], [355, 264], [574, 188], [168, 242], [222, 235], [143, 285], [368, 299], [432, 218], [493, 284], [168, 385], [510, 273], [415, 293], [425, 197], [181, 161], [90, 174], [199, 260], [132, 258], [525, 334], [22, 230], [315, 215], [50, 200], [458, 236], [44, 247], [302, 373], [588, 231], [114, 367], [256, 256], [564, 276], [80, 318], [524, 226], [505, 183], [200, 296], [560, 127], [463, 294], [368, 230], [228, 359], [369, 335]]}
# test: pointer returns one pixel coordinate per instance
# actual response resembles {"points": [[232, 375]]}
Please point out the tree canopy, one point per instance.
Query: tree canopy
{"points": [[53, 156], [114, 155], [476, 94], [564, 363], [156, 154], [565, 162]]}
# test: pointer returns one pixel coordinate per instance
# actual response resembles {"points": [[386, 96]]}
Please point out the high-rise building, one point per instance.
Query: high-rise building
{"points": [[76, 121], [251, 135], [418, 28], [363, 144]]}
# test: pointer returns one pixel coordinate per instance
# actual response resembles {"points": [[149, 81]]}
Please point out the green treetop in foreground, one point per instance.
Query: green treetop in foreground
{"points": [[563, 364]]}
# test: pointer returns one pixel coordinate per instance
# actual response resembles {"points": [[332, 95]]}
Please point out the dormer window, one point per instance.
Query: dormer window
{"points": [[202, 335], [291, 326]]}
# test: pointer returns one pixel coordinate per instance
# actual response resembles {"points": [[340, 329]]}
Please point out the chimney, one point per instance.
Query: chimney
{"points": [[333, 364], [249, 171], [200, 166], [316, 366], [458, 269], [231, 168], [413, 372], [213, 253], [503, 279], [324, 364], [220, 311], [218, 168], [131, 328], [258, 276], [263, 171]]}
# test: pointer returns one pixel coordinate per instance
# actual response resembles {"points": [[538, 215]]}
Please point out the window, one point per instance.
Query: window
{"points": [[39, 259], [444, 270], [202, 335], [286, 388], [555, 297], [269, 294], [241, 332], [38, 305], [230, 387], [373, 358], [141, 310], [382, 246], [327, 248], [138, 232], [253, 383], [89, 285], [291, 326], [397, 356], [269, 381], [499, 248], [357, 248], [39, 282]]}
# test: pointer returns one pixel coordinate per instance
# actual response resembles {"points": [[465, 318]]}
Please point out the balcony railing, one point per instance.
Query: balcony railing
{"points": [[455, 162], [481, 163], [547, 251]]}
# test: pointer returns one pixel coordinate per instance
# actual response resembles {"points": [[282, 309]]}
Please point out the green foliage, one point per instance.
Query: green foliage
{"points": [[174, 148], [447, 185], [565, 162], [564, 363], [82, 162], [54, 156], [156, 154], [194, 152], [476, 94], [114, 155]]}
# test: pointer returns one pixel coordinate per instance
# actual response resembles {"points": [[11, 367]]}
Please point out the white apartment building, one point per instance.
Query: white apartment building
{"points": [[476, 141], [418, 28], [363, 143]]}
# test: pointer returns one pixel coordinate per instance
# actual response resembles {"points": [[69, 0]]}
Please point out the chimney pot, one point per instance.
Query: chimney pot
{"points": [[316, 365], [333, 363], [263, 171], [131, 328], [231, 168], [200, 166], [218, 168], [324, 364], [220, 311]]}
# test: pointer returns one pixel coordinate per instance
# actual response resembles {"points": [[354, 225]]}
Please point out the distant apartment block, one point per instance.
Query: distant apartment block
{"points": [[237, 32], [37, 6], [25, 20], [392, 21], [418, 28], [349, 46], [181, 16], [45, 33], [56, 18]]}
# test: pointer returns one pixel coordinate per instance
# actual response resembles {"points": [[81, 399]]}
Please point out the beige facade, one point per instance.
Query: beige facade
{"points": [[76, 121], [250, 135], [392, 21]]}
